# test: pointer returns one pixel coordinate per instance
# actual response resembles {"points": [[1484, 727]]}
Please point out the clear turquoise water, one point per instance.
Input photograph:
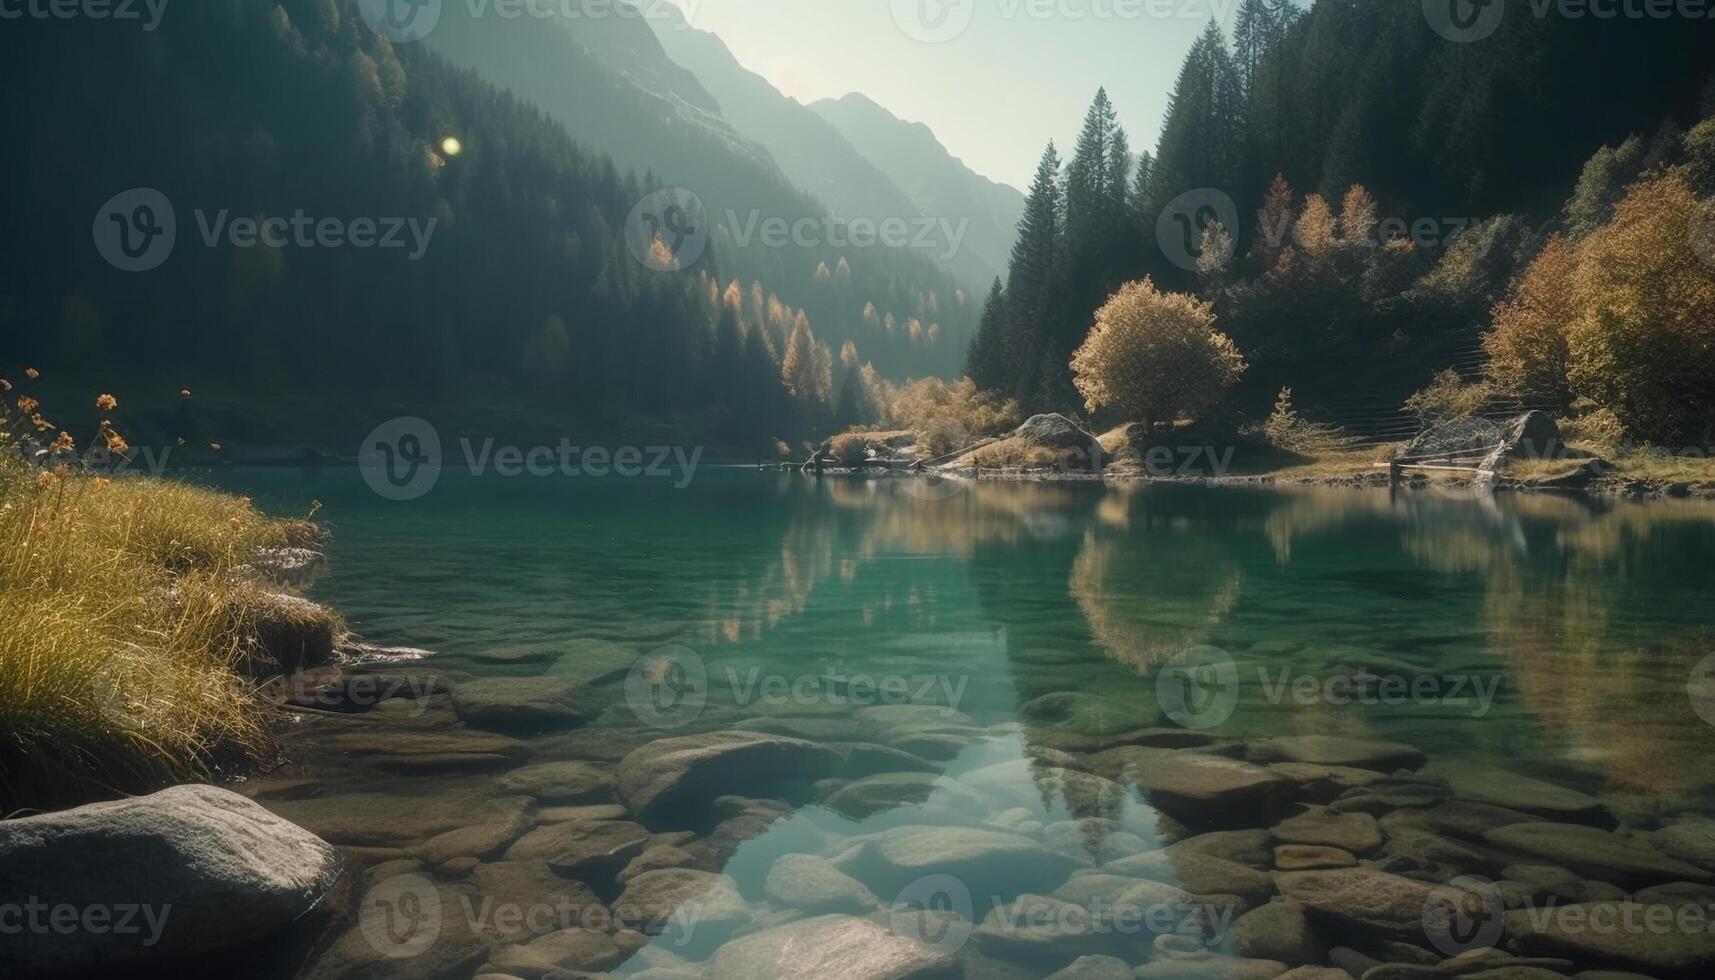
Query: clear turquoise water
{"points": [[1572, 628]]}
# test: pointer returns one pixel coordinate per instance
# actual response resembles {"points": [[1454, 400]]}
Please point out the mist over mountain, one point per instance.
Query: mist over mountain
{"points": [[937, 182], [613, 86]]}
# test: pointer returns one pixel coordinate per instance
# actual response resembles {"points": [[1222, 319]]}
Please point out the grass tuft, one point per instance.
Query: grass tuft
{"points": [[126, 623]]}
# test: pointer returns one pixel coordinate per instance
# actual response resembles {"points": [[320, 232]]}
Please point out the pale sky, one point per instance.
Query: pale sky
{"points": [[1019, 73]]}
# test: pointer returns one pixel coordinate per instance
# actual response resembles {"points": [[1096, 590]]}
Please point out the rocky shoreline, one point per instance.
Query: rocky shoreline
{"points": [[1304, 857]]}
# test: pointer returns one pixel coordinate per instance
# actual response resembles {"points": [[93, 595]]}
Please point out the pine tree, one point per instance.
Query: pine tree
{"points": [[1202, 139], [987, 362], [1031, 276]]}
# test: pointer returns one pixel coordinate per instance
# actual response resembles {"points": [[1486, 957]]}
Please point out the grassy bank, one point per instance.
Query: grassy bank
{"points": [[130, 631]]}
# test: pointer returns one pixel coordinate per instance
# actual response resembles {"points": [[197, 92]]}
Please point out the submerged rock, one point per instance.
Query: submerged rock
{"points": [[830, 947], [522, 702], [582, 849], [812, 885], [178, 873], [1193, 783], [987, 861], [1596, 852], [1330, 750], [1626, 935], [675, 779], [1498, 787], [1320, 826], [561, 782], [1201, 874], [659, 900], [1361, 901], [1095, 968], [886, 791]]}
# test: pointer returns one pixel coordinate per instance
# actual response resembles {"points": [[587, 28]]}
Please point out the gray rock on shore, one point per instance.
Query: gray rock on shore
{"points": [[174, 874]]}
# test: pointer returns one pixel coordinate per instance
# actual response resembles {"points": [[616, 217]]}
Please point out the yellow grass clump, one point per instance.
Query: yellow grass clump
{"points": [[124, 617]]}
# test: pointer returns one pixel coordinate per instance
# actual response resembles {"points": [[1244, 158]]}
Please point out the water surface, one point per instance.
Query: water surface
{"points": [[1561, 634]]}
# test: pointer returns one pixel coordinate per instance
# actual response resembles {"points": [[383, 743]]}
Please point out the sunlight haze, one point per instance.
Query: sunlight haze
{"points": [[996, 93]]}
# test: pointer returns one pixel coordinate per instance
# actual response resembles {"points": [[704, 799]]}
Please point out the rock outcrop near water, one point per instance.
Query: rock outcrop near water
{"points": [[180, 873]]}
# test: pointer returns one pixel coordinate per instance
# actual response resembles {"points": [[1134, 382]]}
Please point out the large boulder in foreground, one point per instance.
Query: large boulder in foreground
{"points": [[174, 874], [676, 779]]}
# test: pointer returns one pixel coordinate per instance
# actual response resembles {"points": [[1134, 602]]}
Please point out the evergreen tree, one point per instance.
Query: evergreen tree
{"points": [[1032, 276], [988, 363]]}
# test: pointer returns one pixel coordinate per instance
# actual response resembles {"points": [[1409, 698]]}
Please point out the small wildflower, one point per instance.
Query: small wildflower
{"points": [[32, 373], [28, 405], [116, 443], [5, 385], [107, 403], [62, 471], [44, 481], [41, 424], [64, 442]]}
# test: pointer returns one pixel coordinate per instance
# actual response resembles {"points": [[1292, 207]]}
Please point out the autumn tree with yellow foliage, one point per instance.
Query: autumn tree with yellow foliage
{"points": [[1624, 317], [1642, 341], [1155, 356], [1527, 347]]}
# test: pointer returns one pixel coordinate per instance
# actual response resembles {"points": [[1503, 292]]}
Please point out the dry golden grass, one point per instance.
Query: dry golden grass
{"points": [[1648, 467], [122, 619]]}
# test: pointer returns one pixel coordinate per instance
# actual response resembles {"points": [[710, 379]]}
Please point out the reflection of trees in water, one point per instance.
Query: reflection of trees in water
{"points": [[740, 608], [867, 519], [1155, 576], [1594, 612], [1146, 599], [1602, 641]]}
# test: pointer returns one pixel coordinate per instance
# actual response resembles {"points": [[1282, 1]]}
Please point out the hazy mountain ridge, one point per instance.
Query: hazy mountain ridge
{"points": [[938, 182], [812, 152]]}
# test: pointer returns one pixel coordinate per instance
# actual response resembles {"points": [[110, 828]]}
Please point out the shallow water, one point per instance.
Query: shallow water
{"points": [[1547, 636]]}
